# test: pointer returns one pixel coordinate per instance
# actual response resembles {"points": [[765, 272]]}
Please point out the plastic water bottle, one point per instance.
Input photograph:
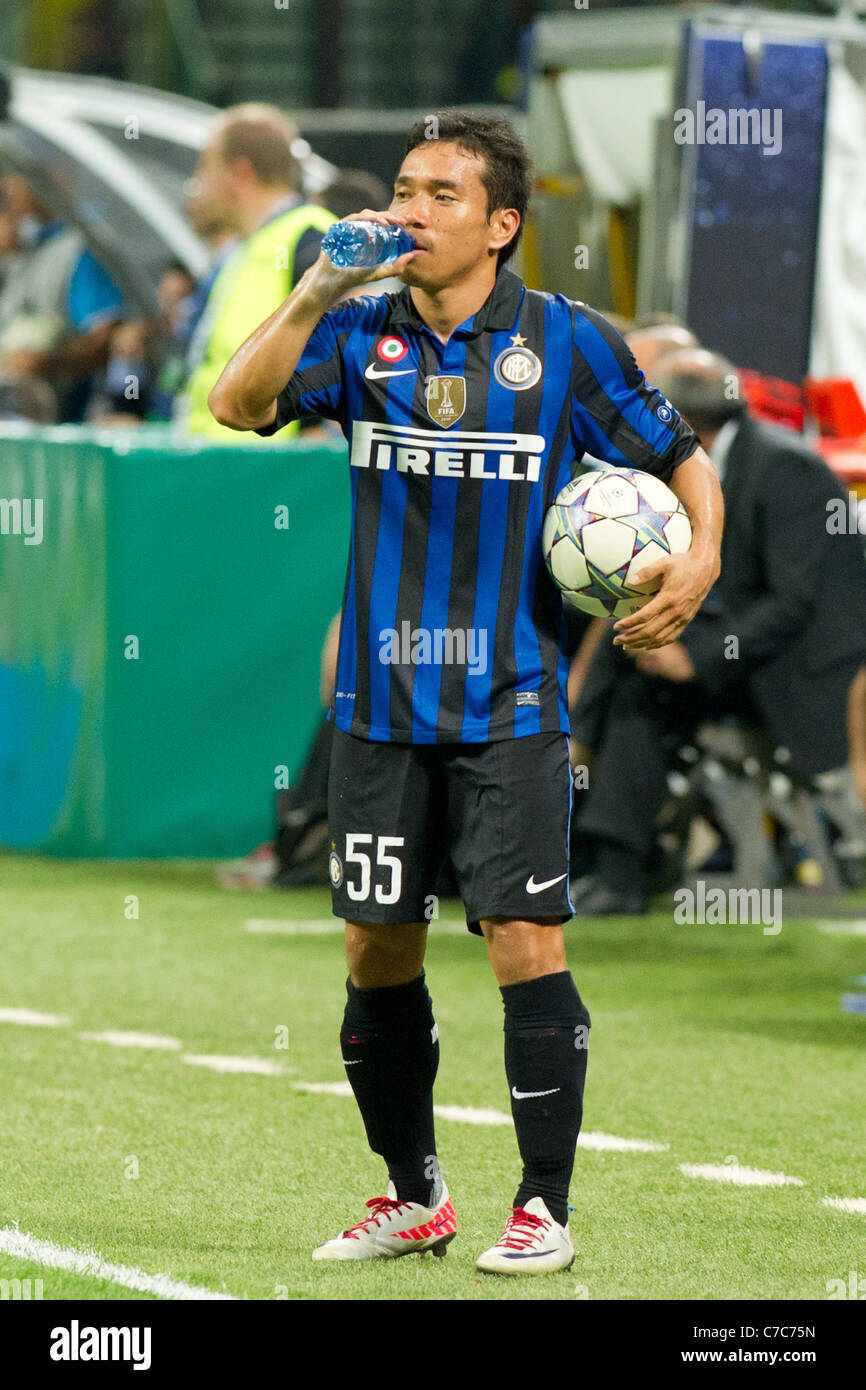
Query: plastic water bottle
{"points": [[364, 244]]}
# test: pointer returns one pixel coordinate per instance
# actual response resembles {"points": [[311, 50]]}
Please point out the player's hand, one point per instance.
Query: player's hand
{"points": [[686, 581], [670, 663], [330, 282]]}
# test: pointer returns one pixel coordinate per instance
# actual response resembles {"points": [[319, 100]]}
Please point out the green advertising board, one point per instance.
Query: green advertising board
{"points": [[162, 609]]}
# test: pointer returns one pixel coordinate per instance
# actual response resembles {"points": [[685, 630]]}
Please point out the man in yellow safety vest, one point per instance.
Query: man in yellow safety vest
{"points": [[248, 180]]}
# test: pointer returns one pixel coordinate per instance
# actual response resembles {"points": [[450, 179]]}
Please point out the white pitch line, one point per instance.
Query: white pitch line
{"points": [[115, 1039], [327, 927], [33, 1019], [260, 1066], [470, 1115], [333, 927], [44, 1252], [324, 1088], [855, 1204], [831, 927], [739, 1174], [596, 1140]]}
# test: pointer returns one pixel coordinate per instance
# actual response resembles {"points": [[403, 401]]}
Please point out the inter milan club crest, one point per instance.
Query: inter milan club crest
{"points": [[517, 367], [446, 399]]}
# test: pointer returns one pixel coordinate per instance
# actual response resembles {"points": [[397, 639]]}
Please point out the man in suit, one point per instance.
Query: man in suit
{"points": [[779, 639]]}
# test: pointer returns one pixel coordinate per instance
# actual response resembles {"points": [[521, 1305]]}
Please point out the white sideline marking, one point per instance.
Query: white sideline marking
{"points": [[597, 1140], [324, 1088], [842, 927], [115, 1039], [44, 1252], [469, 1115], [35, 1020], [738, 1173], [857, 1204], [261, 1066], [333, 926], [328, 927]]}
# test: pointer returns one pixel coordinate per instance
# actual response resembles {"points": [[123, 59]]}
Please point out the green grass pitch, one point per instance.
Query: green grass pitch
{"points": [[720, 1042]]}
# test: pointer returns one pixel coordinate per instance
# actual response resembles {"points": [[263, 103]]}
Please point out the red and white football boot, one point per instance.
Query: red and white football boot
{"points": [[394, 1228], [532, 1243]]}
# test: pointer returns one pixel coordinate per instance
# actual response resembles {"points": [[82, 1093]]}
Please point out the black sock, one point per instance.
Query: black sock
{"points": [[391, 1047], [546, 1036], [620, 868]]}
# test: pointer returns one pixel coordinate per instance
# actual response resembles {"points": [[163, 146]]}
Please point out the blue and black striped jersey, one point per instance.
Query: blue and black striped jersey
{"points": [[452, 629]]}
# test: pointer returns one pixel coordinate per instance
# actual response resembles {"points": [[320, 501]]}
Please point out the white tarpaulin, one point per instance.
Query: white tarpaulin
{"points": [[839, 329], [611, 118]]}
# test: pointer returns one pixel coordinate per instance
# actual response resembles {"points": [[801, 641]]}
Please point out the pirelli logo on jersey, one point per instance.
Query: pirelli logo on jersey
{"points": [[482, 454]]}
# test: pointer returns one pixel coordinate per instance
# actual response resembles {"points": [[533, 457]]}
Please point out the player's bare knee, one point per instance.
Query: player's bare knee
{"points": [[381, 955], [524, 950]]}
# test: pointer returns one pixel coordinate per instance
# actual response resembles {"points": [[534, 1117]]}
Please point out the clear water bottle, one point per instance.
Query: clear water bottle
{"points": [[365, 244]]}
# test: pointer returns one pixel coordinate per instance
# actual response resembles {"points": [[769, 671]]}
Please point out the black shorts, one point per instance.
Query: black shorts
{"points": [[500, 810]]}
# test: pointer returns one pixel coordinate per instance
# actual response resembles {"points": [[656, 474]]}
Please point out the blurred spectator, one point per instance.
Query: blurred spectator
{"points": [[248, 180], [352, 191], [650, 344], [123, 396], [619, 321], [27, 399], [779, 639], [221, 238], [179, 310], [58, 309]]}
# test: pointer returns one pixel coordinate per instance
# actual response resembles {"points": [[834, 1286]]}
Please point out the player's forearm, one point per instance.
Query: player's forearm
{"points": [[245, 395], [696, 484]]}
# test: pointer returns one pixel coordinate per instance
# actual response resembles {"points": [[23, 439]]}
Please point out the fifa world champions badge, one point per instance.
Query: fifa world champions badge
{"points": [[446, 399]]}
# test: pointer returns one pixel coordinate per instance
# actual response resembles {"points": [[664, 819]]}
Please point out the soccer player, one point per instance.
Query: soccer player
{"points": [[468, 402]]}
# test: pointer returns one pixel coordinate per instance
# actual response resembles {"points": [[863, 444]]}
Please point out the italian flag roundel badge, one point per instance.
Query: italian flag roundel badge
{"points": [[392, 349]]}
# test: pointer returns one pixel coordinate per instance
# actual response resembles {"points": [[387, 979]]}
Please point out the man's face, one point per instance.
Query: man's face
{"points": [[439, 196], [213, 200]]}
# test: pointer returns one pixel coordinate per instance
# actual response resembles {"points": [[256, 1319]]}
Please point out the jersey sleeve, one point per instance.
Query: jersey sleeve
{"points": [[616, 415], [318, 384]]}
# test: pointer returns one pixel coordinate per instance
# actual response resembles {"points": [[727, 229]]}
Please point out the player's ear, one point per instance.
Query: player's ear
{"points": [[504, 223]]}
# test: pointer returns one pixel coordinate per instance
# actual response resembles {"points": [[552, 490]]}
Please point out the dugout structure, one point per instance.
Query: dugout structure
{"points": [[757, 244]]}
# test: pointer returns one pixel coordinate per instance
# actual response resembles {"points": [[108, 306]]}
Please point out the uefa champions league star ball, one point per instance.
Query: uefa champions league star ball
{"points": [[602, 529]]}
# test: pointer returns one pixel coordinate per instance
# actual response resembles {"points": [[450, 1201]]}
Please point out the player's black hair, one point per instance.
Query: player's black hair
{"points": [[508, 168]]}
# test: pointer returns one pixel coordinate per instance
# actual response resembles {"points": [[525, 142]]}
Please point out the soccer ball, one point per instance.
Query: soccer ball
{"points": [[605, 526]]}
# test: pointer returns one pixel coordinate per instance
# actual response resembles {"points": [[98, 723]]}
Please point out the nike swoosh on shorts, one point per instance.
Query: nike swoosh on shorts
{"points": [[527, 1095], [533, 887]]}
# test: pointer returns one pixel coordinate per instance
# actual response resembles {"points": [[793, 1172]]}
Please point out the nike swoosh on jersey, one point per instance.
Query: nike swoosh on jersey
{"points": [[533, 887], [527, 1095], [373, 375], [355, 1063]]}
